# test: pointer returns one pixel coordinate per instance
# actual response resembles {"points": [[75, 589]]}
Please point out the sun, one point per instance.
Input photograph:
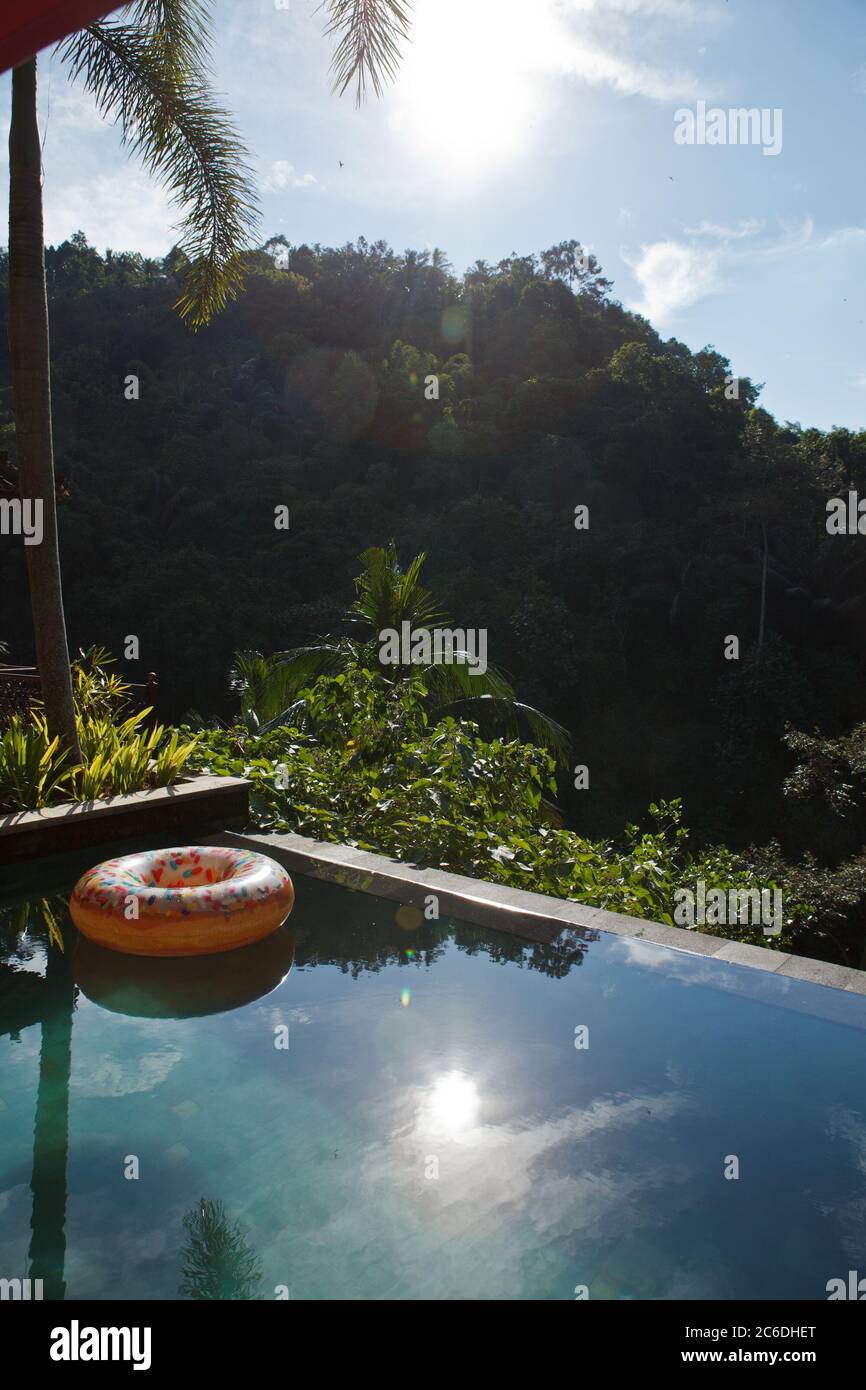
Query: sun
{"points": [[452, 1105], [469, 87]]}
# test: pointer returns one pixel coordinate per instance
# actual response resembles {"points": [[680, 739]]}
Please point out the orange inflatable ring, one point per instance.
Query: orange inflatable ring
{"points": [[182, 902]]}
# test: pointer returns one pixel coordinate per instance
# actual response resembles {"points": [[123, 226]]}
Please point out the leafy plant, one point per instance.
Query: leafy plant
{"points": [[121, 758], [368, 768], [97, 691], [34, 769], [171, 757], [272, 689], [117, 756]]}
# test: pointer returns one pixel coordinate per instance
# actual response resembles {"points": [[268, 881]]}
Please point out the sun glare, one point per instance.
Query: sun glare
{"points": [[452, 1105], [469, 87]]}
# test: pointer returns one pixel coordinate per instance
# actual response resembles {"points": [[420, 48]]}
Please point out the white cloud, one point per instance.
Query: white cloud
{"points": [[69, 107], [687, 11], [90, 184], [596, 49], [106, 1076], [557, 1178], [843, 237], [576, 57], [673, 275], [747, 227], [283, 175], [127, 211]]}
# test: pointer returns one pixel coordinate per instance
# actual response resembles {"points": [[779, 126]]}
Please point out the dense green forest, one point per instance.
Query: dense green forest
{"points": [[706, 518]]}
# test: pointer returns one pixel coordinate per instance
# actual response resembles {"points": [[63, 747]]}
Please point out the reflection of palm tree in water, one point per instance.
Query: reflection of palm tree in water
{"points": [[51, 1130], [55, 1006], [217, 1262]]}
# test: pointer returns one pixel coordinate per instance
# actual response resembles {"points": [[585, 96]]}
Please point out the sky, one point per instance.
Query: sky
{"points": [[516, 124]]}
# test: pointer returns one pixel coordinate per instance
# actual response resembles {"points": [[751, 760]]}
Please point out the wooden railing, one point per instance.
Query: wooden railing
{"points": [[21, 685]]}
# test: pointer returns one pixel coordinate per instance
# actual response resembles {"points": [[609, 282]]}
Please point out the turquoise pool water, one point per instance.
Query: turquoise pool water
{"points": [[431, 1130]]}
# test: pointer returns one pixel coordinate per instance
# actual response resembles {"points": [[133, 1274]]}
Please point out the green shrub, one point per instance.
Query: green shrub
{"points": [[366, 769], [117, 755], [121, 758], [34, 769]]}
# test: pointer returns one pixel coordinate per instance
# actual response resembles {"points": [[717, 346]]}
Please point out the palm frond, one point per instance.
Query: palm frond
{"points": [[490, 699], [496, 715], [368, 51], [144, 77], [273, 683], [413, 600], [387, 595], [455, 680], [181, 27]]}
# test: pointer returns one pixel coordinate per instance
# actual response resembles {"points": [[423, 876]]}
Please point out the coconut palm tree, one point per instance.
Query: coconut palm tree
{"points": [[149, 72], [386, 596]]}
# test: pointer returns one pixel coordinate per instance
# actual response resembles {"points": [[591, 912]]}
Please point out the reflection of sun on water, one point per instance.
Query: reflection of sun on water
{"points": [[465, 93], [451, 1107]]}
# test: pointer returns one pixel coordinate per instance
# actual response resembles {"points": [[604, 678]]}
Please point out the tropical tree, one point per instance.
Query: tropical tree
{"points": [[270, 687], [149, 72]]}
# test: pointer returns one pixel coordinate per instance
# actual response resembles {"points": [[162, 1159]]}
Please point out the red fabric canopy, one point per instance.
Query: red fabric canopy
{"points": [[28, 25]]}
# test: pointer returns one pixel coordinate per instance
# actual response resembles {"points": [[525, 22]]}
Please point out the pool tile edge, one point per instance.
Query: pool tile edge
{"points": [[520, 912]]}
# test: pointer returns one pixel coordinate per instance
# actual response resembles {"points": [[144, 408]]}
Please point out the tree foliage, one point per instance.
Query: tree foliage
{"points": [[367, 768], [370, 35], [706, 516], [149, 74]]}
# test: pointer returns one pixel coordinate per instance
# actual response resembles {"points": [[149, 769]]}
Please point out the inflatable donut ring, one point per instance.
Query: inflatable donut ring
{"points": [[182, 902]]}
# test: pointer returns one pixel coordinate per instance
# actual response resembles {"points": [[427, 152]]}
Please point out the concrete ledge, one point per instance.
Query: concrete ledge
{"points": [[741, 953], [187, 807], [677, 938], [531, 915]]}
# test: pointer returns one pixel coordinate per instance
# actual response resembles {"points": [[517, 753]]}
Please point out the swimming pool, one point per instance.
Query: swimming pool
{"points": [[370, 1105]]}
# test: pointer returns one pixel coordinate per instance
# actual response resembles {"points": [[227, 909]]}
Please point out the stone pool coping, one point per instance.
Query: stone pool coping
{"points": [[182, 808], [533, 916]]}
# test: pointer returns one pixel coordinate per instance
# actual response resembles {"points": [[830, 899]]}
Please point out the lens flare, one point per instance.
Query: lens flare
{"points": [[408, 918], [455, 325]]}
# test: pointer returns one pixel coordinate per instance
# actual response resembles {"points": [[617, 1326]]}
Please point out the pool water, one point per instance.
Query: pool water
{"points": [[372, 1106]]}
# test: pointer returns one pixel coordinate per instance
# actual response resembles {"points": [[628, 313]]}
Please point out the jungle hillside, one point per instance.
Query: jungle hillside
{"points": [[609, 506]]}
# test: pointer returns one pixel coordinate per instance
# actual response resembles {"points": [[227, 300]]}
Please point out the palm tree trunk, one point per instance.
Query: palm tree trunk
{"points": [[31, 389]]}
